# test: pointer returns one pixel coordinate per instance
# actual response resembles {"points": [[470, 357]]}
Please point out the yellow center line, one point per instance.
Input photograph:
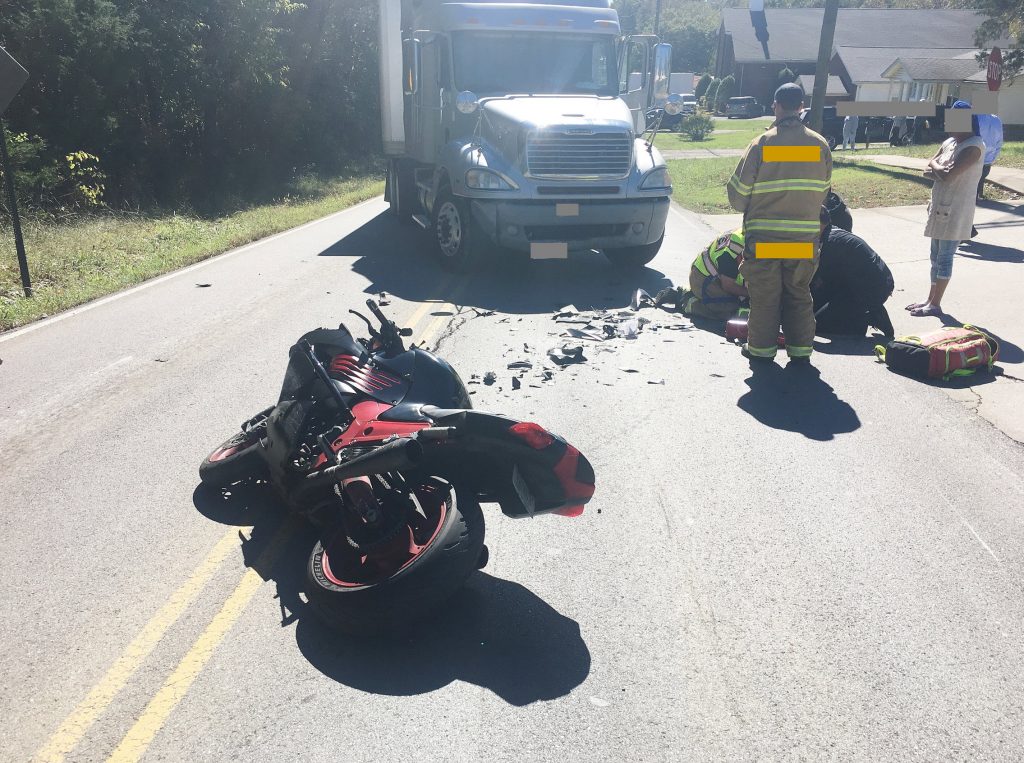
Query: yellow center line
{"points": [[74, 727], [139, 736], [81, 719]]}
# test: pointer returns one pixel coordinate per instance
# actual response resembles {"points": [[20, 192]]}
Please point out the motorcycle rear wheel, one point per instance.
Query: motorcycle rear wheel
{"points": [[450, 554], [238, 458]]}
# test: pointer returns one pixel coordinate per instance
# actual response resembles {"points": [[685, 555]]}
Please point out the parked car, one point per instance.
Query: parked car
{"points": [[742, 106], [689, 103], [831, 125]]}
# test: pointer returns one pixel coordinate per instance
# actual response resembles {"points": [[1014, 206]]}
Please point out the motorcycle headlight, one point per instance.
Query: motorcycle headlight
{"points": [[488, 180], [656, 179]]}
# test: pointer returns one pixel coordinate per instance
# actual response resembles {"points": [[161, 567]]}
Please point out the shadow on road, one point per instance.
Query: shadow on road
{"points": [[979, 250], [493, 633], [796, 399], [396, 258]]}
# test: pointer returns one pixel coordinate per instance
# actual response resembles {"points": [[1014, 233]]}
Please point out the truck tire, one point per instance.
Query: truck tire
{"points": [[634, 256], [400, 189], [458, 238]]}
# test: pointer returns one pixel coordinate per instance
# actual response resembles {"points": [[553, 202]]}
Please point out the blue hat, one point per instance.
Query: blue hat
{"points": [[961, 105]]}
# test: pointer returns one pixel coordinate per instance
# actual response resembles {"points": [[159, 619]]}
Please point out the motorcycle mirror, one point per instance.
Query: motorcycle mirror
{"points": [[405, 332]]}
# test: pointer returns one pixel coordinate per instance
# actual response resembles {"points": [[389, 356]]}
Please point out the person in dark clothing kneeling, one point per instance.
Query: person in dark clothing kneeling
{"points": [[852, 284]]}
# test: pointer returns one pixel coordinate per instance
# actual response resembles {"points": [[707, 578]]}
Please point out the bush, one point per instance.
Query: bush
{"points": [[702, 85], [697, 126], [726, 90], [711, 94]]}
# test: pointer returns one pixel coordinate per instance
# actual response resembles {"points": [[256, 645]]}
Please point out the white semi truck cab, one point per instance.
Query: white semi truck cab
{"points": [[516, 127]]}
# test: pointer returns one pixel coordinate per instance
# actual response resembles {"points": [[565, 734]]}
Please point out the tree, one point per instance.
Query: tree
{"points": [[726, 90], [702, 85], [1005, 20], [785, 76]]}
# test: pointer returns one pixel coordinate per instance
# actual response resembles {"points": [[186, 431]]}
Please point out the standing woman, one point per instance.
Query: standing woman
{"points": [[956, 170]]}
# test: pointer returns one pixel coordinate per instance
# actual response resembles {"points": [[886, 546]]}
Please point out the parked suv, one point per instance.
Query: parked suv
{"points": [[742, 106]]}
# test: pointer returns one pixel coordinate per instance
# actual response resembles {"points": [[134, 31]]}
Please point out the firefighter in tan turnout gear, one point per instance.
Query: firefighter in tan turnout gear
{"points": [[779, 186]]}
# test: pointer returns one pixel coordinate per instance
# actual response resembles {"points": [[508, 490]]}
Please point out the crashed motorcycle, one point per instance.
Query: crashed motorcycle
{"points": [[379, 448]]}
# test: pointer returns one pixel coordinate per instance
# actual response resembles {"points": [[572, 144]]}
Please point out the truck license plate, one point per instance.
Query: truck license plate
{"points": [[549, 251]]}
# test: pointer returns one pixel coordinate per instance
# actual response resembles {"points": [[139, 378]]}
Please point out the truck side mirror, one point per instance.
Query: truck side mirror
{"points": [[662, 71]]}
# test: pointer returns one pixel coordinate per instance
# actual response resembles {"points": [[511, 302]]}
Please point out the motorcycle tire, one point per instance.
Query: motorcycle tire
{"points": [[429, 579], [238, 458]]}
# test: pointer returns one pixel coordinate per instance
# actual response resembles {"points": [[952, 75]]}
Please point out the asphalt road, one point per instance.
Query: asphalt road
{"points": [[783, 564]]}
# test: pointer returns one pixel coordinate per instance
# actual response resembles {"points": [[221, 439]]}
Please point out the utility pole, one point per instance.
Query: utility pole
{"points": [[828, 33], [657, 17]]}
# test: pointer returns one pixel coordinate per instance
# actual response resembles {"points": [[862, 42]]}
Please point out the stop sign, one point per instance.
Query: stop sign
{"points": [[995, 69]]}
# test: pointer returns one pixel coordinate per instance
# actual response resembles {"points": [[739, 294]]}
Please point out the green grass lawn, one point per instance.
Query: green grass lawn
{"points": [[89, 258], [729, 133], [1011, 155], [700, 184]]}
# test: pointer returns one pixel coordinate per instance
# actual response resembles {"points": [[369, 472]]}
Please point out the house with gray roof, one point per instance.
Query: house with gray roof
{"points": [[879, 54]]}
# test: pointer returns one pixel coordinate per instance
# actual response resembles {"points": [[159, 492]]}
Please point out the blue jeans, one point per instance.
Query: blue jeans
{"points": [[942, 258]]}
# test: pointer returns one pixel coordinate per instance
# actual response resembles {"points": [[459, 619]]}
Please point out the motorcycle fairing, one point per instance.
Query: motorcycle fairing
{"points": [[522, 466]]}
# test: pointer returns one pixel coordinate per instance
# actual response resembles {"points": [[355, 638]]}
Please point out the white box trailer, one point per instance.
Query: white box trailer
{"points": [[497, 118]]}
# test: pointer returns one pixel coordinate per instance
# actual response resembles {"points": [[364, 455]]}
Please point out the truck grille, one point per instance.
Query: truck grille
{"points": [[557, 154]]}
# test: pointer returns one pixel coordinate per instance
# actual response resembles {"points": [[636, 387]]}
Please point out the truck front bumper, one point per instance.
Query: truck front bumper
{"points": [[588, 224]]}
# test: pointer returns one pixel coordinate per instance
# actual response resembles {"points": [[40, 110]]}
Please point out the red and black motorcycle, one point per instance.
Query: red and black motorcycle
{"points": [[378, 446]]}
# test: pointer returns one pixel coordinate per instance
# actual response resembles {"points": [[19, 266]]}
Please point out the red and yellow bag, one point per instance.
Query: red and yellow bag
{"points": [[941, 354]]}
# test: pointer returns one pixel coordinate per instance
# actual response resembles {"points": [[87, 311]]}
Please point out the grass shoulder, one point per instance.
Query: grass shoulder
{"points": [[90, 257], [699, 184]]}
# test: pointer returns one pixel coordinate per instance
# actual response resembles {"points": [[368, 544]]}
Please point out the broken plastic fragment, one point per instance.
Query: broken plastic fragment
{"points": [[520, 364], [655, 381], [641, 299], [567, 355], [490, 377], [516, 384], [383, 300], [630, 329]]}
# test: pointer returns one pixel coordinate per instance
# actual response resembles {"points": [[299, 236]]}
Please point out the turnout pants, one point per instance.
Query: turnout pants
{"points": [[712, 300], [780, 293]]}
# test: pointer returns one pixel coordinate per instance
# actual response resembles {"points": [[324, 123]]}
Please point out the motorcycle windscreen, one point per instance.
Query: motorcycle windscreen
{"points": [[526, 468], [327, 343]]}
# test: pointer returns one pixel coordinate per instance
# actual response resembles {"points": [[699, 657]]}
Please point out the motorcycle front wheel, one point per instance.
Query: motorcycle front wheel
{"points": [[237, 458], [362, 593]]}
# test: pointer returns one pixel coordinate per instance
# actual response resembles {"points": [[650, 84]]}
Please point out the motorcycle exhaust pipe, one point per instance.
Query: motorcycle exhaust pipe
{"points": [[402, 454]]}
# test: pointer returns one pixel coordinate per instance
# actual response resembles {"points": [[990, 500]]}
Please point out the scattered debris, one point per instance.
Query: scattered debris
{"points": [[629, 370], [718, 376], [443, 313], [482, 313], [567, 355], [547, 375], [520, 364], [641, 299], [630, 329], [583, 334], [490, 377], [566, 311], [516, 384], [203, 285], [655, 381], [383, 299], [159, 360]]}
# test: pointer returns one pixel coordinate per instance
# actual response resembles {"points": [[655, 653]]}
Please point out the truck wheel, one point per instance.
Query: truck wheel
{"points": [[459, 239], [400, 189], [634, 256]]}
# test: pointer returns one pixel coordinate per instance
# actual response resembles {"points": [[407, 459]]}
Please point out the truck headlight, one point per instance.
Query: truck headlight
{"points": [[487, 180], [656, 179]]}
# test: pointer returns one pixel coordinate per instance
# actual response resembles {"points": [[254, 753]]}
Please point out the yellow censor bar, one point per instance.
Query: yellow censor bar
{"points": [[791, 153], [796, 250]]}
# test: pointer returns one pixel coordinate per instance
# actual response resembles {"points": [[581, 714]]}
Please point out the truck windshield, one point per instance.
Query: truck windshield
{"points": [[519, 62]]}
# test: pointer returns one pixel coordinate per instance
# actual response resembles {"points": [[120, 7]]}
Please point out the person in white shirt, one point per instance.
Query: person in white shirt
{"points": [[850, 131], [956, 170]]}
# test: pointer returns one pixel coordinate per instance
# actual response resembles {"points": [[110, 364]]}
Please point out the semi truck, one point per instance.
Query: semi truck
{"points": [[515, 129]]}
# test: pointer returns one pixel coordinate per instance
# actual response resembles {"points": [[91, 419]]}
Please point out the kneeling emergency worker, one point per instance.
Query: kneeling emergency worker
{"points": [[780, 185], [716, 286]]}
